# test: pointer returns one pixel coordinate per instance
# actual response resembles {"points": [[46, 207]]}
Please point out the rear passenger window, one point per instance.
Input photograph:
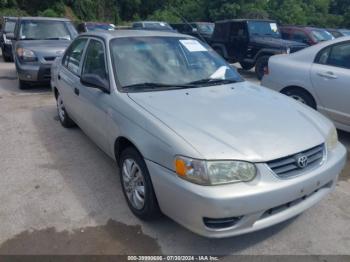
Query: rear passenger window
{"points": [[337, 55], [72, 58]]}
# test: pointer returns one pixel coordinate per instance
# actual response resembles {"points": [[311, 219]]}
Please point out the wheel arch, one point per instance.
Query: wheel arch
{"points": [[295, 87], [120, 144]]}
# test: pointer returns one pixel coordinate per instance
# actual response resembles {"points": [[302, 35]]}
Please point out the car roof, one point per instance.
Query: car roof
{"points": [[44, 18], [132, 33], [246, 20], [150, 22]]}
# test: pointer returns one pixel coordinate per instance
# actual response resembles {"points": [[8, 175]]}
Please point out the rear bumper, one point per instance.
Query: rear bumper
{"points": [[266, 201], [33, 72]]}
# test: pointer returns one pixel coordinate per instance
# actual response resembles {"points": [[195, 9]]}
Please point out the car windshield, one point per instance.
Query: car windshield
{"points": [[10, 26], [206, 28], [321, 35], [44, 30], [263, 28], [99, 27], [167, 63], [345, 32]]}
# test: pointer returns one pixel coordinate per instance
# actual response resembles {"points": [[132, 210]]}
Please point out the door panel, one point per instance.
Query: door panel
{"points": [[93, 103], [332, 86]]}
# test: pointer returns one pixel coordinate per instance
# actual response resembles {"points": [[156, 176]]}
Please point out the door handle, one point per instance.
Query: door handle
{"points": [[76, 91], [329, 75], [59, 77]]}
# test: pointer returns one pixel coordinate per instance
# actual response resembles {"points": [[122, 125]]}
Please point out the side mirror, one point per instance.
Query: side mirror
{"points": [[10, 36], [95, 81]]}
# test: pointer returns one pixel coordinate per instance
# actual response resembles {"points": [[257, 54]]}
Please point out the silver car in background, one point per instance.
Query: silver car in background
{"points": [[193, 140], [318, 76], [37, 41]]}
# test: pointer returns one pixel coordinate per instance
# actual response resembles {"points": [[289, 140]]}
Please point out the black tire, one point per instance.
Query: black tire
{"points": [[260, 65], [246, 66], [150, 209], [23, 85], [63, 116], [301, 95]]}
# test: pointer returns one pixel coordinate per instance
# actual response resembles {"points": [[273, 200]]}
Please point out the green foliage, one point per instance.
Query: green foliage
{"points": [[324, 13], [48, 13]]}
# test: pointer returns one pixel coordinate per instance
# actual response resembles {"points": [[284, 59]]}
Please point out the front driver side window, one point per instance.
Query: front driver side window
{"points": [[338, 55], [73, 56], [95, 62]]}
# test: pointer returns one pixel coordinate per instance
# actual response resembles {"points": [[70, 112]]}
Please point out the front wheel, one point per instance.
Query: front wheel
{"points": [[63, 116], [137, 185], [261, 63], [246, 66]]}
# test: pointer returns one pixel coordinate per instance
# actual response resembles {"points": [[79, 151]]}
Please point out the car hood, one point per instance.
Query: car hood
{"points": [[240, 121], [277, 42], [45, 47]]}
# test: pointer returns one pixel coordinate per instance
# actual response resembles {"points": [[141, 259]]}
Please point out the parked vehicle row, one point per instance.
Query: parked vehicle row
{"points": [[190, 134]]}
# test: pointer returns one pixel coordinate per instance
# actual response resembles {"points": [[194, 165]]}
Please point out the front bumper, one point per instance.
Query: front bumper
{"points": [[264, 202], [33, 72]]}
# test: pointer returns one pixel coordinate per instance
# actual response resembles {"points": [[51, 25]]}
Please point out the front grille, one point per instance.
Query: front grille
{"points": [[50, 58], [288, 167]]}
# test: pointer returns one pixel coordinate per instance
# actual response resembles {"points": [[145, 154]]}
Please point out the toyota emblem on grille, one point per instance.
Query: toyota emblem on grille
{"points": [[302, 161]]}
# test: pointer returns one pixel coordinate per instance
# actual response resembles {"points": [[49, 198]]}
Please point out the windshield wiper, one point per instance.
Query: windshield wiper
{"points": [[213, 81], [157, 86]]}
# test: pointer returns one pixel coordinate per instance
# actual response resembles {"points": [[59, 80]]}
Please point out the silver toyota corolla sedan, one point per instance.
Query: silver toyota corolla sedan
{"points": [[318, 76], [193, 140]]}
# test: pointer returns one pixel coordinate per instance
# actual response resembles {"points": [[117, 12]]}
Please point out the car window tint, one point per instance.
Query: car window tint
{"points": [[95, 60], [300, 37], [340, 56], [323, 56], [73, 57]]}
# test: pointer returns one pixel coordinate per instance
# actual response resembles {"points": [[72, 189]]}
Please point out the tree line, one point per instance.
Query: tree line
{"points": [[322, 13]]}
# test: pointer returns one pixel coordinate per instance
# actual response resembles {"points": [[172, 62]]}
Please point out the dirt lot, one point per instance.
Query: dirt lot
{"points": [[61, 195]]}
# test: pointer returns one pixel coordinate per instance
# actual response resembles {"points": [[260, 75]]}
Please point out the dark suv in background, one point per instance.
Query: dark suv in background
{"points": [[201, 30], [251, 42], [7, 27], [306, 35], [93, 26], [37, 41]]}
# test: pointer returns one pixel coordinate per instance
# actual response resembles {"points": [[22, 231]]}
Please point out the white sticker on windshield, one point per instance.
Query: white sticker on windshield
{"points": [[193, 46], [274, 27]]}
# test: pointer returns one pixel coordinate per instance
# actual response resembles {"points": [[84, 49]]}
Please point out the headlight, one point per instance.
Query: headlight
{"points": [[26, 55], [332, 139], [212, 173]]}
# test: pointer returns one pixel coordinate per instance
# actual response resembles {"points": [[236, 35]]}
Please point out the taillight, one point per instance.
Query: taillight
{"points": [[266, 70]]}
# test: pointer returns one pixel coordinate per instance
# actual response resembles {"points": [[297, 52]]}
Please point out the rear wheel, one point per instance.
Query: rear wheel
{"points": [[301, 96], [23, 85], [260, 65], [137, 185], [63, 116], [246, 66]]}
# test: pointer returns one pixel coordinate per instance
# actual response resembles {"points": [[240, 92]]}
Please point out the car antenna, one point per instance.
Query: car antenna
{"points": [[186, 22]]}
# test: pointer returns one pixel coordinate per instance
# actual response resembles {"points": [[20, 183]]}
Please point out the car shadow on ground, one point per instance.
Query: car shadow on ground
{"points": [[91, 180]]}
